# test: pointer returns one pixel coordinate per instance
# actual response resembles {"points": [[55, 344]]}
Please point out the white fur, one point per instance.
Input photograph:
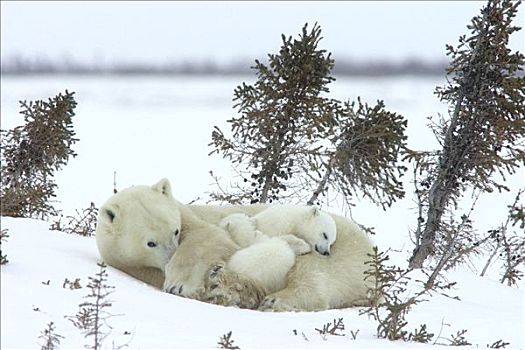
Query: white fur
{"points": [[134, 216], [267, 262], [264, 259], [241, 229], [126, 240], [306, 222]]}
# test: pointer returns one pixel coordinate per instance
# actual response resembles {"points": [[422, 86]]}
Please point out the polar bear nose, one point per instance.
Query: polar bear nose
{"points": [[322, 251]]}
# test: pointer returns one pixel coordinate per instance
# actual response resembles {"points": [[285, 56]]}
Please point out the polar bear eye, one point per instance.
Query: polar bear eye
{"points": [[152, 244], [325, 236], [176, 232]]}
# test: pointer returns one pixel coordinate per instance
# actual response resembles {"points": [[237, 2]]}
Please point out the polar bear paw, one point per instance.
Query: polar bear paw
{"points": [[216, 293], [214, 282], [190, 288], [184, 290], [275, 304], [219, 291], [228, 288]]}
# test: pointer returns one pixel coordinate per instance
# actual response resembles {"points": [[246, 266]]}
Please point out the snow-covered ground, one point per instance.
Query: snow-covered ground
{"points": [[149, 128], [40, 260]]}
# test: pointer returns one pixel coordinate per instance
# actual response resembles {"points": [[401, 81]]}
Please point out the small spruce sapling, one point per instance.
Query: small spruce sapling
{"points": [[421, 335], [51, 340], [93, 314], [390, 302], [226, 342], [83, 223], [388, 291], [459, 339], [332, 328], [499, 344]]}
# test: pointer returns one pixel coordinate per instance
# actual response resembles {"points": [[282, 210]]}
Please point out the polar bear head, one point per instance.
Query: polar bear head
{"points": [[242, 229], [139, 227], [318, 229]]}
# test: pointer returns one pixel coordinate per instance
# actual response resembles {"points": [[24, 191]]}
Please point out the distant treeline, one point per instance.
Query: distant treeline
{"points": [[370, 68]]}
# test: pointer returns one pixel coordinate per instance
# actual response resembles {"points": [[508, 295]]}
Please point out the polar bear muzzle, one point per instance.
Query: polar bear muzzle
{"points": [[323, 250]]}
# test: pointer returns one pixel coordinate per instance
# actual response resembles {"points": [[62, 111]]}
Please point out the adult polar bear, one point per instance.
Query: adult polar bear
{"points": [[148, 234]]}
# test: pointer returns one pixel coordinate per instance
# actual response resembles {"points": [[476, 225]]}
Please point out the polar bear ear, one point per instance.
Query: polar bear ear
{"points": [[109, 213], [163, 187], [314, 211]]}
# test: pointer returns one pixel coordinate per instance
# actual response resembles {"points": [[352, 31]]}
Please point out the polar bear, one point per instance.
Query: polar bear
{"points": [[241, 229], [306, 222], [244, 232], [133, 216], [148, 243], [262, 258]]}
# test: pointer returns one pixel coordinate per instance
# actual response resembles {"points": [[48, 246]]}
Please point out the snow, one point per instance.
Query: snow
{"points": [[149, 128], [158, 320]]}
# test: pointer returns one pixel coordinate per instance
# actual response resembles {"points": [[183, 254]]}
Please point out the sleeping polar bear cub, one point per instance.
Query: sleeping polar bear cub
{"points": [[309, 223], [264, 259], [268, 259]]}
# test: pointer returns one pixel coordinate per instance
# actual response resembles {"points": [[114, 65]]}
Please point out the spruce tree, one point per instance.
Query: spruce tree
{"points": [[484, 133], [291, 140], [31, 153], [282, 116]]}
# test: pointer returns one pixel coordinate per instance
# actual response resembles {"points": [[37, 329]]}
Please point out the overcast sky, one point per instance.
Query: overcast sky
{"points": [[223, 31]]}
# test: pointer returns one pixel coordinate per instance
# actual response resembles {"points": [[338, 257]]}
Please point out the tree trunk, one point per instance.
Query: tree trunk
{"points": [[438, 197], [322, 183], [440, 190], [489, 261], [263, 198], [272, 166]]}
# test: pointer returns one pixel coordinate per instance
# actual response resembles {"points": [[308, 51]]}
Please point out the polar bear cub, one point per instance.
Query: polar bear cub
{"points": [[243, 232], [272, 239], [265, 259], [306, 222]]}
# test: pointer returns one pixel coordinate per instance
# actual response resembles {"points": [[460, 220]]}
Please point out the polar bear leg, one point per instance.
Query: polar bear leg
{"points": [[291, 299], [227, 288], [241, 229], [295, 296], [266, 262], [298, 245]]}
